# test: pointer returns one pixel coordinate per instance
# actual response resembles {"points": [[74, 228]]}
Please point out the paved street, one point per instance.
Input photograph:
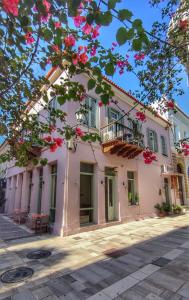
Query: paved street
{"points": [[146, 259]]}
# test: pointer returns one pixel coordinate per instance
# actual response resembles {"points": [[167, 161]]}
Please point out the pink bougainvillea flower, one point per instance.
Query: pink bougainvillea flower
{"points": [[48, 61], [79, 132], [58, 141], [83, 58], [183, 24], [48, 139], [29, 38], [75, 59], [57, 25], [139, 56], [47, 5], [11, 6], [53, 147], [80, 48], [87, 29], [170, 104], [185, 149], [140, 116], [149, 157], [95, 32], [55, 48], [100, 104], [79, 20], [69, 41], [93, 51], [45, 18]]}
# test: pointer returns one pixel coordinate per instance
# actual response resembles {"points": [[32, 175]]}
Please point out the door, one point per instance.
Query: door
{"points": [[110, 198], [166, 188], [30, 189], [40, 191], [180, 190]]}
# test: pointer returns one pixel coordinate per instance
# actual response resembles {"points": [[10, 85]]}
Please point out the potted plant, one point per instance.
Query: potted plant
{"points": [[167, 207], [177, 209], [161, 212], [136, 199]]}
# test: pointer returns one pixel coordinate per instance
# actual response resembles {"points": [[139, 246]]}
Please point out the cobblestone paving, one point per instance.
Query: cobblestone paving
{"points": [[148, 259]]}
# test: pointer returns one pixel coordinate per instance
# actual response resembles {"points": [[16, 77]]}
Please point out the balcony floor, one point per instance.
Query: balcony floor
{"points": [[122, 148]]}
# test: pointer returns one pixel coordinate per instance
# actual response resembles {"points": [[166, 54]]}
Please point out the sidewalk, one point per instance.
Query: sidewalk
{"points": [[147, 259]]}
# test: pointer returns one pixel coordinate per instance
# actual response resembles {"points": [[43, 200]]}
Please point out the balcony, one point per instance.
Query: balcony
{"points": [[122, 141]]}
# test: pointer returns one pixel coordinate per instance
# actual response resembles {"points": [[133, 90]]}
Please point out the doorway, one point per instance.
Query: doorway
{"points": [[180, 184], [110, 194], [166, 188]]}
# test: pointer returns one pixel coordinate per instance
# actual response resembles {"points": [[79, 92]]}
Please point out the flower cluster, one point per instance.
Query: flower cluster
{"points": [[149, 157], [54, 142], [11, 6], [140, 116], [80, 56], [80, 21], [185, 149], [139, 57], [69, 41], [122, 64], [29, 38], [170, 105], [79, 132]]}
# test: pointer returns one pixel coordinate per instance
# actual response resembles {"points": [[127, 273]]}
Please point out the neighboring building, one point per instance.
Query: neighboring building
{"points": [[94, 185], [179, 132], [3, 173]]}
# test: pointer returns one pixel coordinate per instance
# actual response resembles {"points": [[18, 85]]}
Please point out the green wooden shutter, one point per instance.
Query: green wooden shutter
{"points": [[149, 140], [155, 142], [93, 110]]}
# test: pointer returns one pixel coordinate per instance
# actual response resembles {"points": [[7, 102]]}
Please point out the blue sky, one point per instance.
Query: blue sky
{"points": [[141, 9]]}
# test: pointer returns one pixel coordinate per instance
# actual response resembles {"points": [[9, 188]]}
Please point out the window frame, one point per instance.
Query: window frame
{"points": [[53, 192], [154, 147], [87, 117], [135, 188], [54, 106], [164, 150]]}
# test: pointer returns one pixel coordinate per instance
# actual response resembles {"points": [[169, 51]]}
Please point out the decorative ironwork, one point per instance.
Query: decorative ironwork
{"points": [[16, 275]]}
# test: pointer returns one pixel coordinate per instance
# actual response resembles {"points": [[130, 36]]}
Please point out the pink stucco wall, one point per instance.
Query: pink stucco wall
{"points": [[149, 179]]}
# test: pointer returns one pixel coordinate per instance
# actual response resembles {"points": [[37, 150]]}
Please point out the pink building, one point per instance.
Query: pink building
{"points": [[86, 186]]}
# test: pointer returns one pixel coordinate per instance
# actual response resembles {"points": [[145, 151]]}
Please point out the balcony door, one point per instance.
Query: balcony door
{"points": [[117, 128], [110, 195]]}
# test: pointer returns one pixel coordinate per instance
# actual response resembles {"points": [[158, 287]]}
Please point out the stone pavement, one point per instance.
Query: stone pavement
{"points": [[146, 259]]}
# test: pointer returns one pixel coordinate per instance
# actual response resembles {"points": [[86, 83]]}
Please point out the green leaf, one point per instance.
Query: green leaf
{"points": [[112, 4], [24, 21], [124, 14], [104, 19], [122, 36], [137, 24], [137, 44], [98, 89], [91, 84], [61, 100], [109, 69], [105, 98]]}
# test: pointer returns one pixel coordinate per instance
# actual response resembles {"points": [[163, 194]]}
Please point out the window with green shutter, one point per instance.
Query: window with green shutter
{"points": [[90, 117], [152, 140], [163, 145]]}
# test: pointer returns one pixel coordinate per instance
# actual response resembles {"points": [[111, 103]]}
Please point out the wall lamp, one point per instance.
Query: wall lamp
{"points": [[71, 145]]}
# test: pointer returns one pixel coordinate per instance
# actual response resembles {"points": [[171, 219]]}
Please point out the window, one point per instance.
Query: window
{"points": [[53, 193], [86, 193], [132, 190], [52, 107], [152, 140], [90, 117], [163, 145]]}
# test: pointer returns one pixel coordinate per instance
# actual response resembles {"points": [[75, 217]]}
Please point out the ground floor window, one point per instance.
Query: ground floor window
{"points": [[110, 194], [86, 193], [132, 188], [53, 193]]}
